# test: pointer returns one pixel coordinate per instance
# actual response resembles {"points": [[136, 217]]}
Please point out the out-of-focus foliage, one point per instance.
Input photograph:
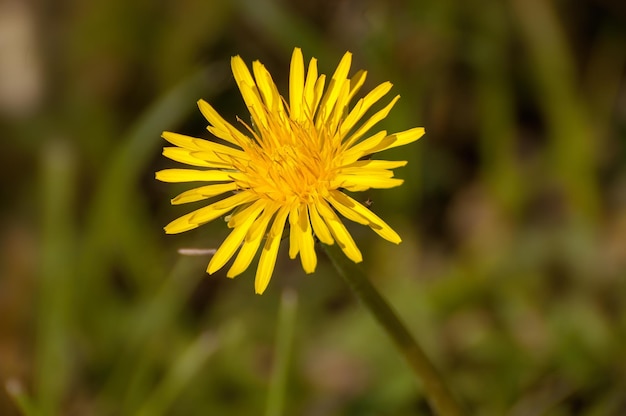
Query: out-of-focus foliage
{"points": [[512, 272]]}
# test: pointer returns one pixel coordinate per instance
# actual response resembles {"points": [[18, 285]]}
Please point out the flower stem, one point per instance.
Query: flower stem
{"points": [[284, 341], [435, 389]]}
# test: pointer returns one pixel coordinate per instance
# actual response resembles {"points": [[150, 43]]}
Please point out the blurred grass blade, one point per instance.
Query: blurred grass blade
{"points": [[116, 209], [183, 370], [150, 319], [282, 355], [284, 27], [496, 102], [607, 62], [118, 232], [56, 276], [573, 148], [15, 390]]}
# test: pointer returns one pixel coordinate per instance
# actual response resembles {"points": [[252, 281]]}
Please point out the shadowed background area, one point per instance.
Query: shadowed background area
{"points": [[512, 269]]}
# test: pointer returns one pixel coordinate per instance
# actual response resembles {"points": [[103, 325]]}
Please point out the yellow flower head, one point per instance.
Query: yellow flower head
{"points": [[292, 165]]}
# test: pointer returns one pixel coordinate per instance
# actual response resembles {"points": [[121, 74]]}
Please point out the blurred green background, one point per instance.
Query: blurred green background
{"points": [[512, 272]]}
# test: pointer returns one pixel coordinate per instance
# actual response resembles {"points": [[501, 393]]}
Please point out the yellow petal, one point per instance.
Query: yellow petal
{"points": [[375, 223], [294, 241], [181, 224], [318, 92], [363, 105], [203, 192], [232, 135], [241, 215], [374, 164], [234, 239], [339, 204], [356, 82], [340, 233], [257, 109], [267, 87], [308, 257], [223, 129], [193, 175], [309, 88], [194, 144], [365, 182], [220, 153], [296, 84], [242, 75], [378, 173], [365, 127], [374, 144], [248, 88], [361, 149], [218, 208], [205, 214], [334, 88], [251, 242], [240, 71], [339, 110], [188, 142], [319, 226], [270, 251], [404, 137], [182, 155]]}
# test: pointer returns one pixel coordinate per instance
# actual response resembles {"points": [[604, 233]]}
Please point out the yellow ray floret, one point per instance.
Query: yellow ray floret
{"points": [[289, 168]]}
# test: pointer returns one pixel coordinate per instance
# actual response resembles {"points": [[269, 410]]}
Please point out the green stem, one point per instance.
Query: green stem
{"points": [[435, 389], [284, 340], [56, 277]]}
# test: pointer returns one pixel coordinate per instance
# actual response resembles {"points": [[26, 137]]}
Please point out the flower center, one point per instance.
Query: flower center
{"points": [[289, 160], [289, 171]]}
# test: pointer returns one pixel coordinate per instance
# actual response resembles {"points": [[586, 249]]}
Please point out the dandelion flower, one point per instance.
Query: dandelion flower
{"points": [[291, 164]]}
